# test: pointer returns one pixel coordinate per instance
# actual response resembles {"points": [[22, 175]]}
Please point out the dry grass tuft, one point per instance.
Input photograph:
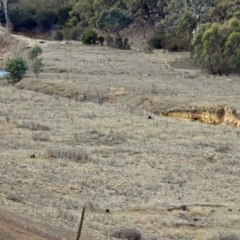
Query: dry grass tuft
{"points": [[76, 154], [221, 235], [33, 126], [42, 137]]}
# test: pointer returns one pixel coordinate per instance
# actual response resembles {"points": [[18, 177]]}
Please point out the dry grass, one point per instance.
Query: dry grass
{"points": [[86, 122]]}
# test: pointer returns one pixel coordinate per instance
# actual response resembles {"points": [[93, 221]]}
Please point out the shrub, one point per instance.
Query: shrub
{"points": [[74, 33], [34, 52], [66, 33], [175, 44], [58, 36], [126, 44], [16, 69], [157, 40], [109, 40], [76, 154], [118, 42], [128, 233], [223, 236], [37, 66], [89, 36], [101, 40]]}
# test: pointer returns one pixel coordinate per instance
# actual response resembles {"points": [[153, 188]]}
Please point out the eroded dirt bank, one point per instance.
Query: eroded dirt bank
{"points": [[210, 115]]}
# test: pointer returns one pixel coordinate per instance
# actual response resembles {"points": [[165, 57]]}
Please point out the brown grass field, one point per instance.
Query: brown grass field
{"points": [[85, 119]]}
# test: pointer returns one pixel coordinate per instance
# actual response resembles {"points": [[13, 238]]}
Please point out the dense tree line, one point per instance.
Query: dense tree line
{"points": [[209, 29]]}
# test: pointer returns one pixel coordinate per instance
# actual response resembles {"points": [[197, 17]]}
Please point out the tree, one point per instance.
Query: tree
{"points": [[232, 51], [84, 10], [112, 20], [16, 69], [46, 19], [212, 48], [185, 27], [5, 8]]}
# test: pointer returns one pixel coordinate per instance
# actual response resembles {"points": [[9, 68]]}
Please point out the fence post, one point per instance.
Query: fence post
{"points": [[81, 224]]}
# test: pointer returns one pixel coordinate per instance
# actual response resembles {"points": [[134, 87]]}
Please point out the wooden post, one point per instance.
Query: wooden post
{"points": [[81, 224]]}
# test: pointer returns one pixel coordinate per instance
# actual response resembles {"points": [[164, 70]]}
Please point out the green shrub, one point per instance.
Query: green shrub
{"points": [[176, 44], [37, 66], [58, 36], [16, 69], [101, 40], [157, 40], [34, 52], [89, 36], [109, 40]]}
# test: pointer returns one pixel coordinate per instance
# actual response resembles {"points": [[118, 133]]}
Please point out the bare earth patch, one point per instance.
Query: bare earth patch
{"points": [[80, 135]]}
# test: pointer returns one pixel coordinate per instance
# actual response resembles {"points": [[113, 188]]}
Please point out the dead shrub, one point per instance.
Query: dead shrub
{"points": [[57, 36], [76, 154], [128, 233], [222, 149]]}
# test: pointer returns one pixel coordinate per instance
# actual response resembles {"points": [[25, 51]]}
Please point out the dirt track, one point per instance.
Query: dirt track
{"points": [[15, 227]]}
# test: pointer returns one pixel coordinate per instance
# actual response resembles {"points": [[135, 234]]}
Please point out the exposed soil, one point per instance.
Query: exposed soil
{"points": [[15, 227], [210, 115]]}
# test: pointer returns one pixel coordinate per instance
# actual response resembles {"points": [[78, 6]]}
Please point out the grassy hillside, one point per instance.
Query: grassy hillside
{"points": [[85, 120]]}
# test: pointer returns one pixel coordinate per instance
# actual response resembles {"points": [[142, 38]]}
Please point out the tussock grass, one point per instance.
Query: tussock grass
{"points": [[42, 137], [76, 154], [33, 126], [223, 235]]}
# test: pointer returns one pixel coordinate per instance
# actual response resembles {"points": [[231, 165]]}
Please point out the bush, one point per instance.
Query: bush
{"points": [[16, 69], [89, 36], [75, 33], [223, 236], [126, 44], [66, 33], [34, 52], [101, 40], [128, 233], [175, 44], [157, 40], [109, 40], [76, 154], [58, 36], [37, 66], [118, 42]]}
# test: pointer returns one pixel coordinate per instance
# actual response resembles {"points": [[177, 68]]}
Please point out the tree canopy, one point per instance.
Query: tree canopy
{"points": [[208, 28]]}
